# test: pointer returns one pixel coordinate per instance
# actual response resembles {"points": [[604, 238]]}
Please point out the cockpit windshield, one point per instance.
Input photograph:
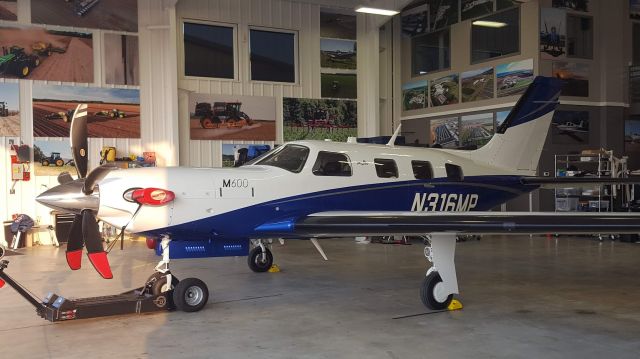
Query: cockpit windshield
{"points": [[291, 158]]}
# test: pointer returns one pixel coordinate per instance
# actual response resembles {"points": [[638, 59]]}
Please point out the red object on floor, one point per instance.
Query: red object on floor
{"points": [[101, 264], [74, 259]]}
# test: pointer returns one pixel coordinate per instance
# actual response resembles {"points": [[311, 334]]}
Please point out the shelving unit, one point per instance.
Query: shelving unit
{"points": [[591, 198]]}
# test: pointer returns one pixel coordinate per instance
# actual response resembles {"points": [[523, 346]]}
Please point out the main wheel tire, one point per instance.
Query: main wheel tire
{"points": [[158, 283], [206, 123], [260, 263], [427, 294], [25, 71], [190, 295]]}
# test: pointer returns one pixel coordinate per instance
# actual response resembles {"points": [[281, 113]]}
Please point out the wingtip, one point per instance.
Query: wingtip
{"points": [[101, 264]]}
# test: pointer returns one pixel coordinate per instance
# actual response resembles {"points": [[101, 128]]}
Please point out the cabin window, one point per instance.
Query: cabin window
{"points": [[291, 158], [422, 169], [332, 164], [454, 172], [386, 168]]}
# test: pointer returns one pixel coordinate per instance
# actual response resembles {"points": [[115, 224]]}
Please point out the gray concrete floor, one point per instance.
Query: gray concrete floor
{"points": [[523, 298]]}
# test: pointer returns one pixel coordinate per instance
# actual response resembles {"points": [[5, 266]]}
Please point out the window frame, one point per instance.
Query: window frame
{"points": [[395, 164], [448, 68], [181, 49], [422, 162], [593, 36], [296, 54], [517, 53], [348, 161]]}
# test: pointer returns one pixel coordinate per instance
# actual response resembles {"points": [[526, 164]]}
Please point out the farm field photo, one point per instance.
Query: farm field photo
{"points": [[112, 113], [339, 85], [236, 155], [52, 157], [9, 110], [444, 91], [121, 15], [9, 10], [312, 119], [514, 77], [476, 130], [477, 84], [39, 54], [230, 117], [338, 54]]}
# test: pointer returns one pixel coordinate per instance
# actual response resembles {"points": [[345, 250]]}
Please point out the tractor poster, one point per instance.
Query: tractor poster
{"points": [[477, 84], [232, 117], [414, 95], [52, 157], [120, 15], [236, 155], [513, 78], [121, 59], [9, 10], [112, 112], [39, 54], [313, 119], [553, 33], [9, 110]]}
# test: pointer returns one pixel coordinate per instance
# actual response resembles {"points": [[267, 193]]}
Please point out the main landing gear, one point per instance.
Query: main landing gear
{"points": [[440, 284], [260, 258]]}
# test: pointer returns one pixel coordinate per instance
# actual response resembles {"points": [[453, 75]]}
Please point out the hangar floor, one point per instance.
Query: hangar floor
{"points": [[523, 298]]}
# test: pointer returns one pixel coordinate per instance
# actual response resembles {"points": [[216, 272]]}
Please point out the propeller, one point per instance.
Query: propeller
{"points": [[84, 230]]}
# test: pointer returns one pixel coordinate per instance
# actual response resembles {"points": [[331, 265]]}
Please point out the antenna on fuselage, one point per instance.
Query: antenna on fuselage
{"points": [[392, 141]]}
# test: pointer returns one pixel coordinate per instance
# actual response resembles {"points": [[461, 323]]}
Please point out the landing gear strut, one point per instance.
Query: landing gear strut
{"points": [[260, 258], [440, 284]]}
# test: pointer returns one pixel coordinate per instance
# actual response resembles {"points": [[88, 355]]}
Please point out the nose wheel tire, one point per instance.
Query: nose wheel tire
{"points": [[260, 262], [190, 295], [428, 293]]}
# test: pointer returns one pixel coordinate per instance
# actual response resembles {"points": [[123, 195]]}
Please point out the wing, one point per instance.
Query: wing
{"points": [[360, 223]]}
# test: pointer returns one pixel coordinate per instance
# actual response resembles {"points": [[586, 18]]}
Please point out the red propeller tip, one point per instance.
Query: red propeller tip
{"points": [[101, 264], [74, 259]]}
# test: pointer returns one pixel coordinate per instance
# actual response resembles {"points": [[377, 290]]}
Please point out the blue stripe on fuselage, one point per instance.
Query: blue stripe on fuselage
{"points": [[393, 196]]}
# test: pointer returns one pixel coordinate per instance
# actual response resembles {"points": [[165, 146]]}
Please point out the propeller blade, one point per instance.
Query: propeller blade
{"points": [[79, 142], [95, 176], [75, 244], [64, 177], [93, 242]]}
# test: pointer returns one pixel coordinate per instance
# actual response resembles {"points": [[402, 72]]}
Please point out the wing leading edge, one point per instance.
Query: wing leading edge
{"points": [[350, 223]]}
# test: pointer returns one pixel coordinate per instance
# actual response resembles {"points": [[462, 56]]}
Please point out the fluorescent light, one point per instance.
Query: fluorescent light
{"points": [[485, 23], [372, 10]]}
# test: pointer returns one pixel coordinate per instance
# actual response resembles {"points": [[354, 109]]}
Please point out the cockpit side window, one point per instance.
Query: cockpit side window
{"points": [[291, 158], [386, 168], [332, 164]]}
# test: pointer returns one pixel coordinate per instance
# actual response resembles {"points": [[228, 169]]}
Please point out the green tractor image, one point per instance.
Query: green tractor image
{"points": [[55, 159], [65, 116], [114, 113], [222, 114], [15, 62]]}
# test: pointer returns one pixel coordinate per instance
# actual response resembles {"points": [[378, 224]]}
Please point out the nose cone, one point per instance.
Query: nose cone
{"points": [[69, 198]]}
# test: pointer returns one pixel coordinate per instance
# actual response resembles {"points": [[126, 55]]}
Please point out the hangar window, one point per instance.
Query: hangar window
{"points": [[273, 55], [454, 172], [332, 164], [291, 158], [495, 35], [579, 36], [386, 168], [422, 169], [430, 52], [209, 50]]}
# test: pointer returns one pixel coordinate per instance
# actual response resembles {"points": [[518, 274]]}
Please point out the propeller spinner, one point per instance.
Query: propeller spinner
{"points": [[81, 197]]}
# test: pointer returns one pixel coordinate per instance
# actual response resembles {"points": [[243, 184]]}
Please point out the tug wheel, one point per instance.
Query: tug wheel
{"points": [[191, 295], [157, 282], [427, 293], [260, 262], [2, 252]]}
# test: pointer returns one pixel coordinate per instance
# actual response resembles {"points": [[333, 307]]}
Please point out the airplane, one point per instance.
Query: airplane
{"points": [[319, 189], [572, 127]]}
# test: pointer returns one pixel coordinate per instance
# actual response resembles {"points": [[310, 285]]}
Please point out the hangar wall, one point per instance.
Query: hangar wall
{"points": [[157, 97]]}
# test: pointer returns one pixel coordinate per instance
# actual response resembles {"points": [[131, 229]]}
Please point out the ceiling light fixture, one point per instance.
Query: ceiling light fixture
{"points": [[494, 24], [376, 11]]}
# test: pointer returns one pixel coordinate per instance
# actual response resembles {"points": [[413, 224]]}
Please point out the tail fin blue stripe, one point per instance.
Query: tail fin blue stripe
{"points": [[540, 98]]}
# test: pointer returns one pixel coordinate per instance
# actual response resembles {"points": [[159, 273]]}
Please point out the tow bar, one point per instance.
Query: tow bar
{"points": [[56, 308]]}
